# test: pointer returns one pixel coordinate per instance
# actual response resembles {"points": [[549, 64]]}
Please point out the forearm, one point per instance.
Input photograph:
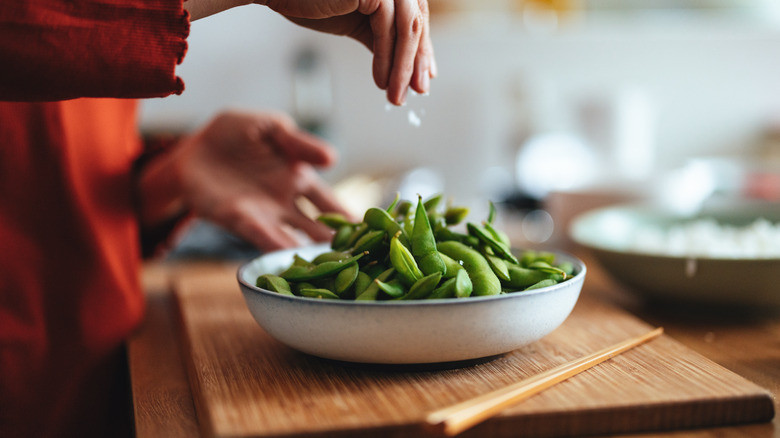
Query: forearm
{"points": [[53, 50]]}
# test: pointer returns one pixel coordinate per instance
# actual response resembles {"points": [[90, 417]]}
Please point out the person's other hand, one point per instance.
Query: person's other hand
{"points": [[396, 31], [246, 171]]}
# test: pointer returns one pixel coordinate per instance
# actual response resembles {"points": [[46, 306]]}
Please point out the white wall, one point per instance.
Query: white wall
{"points": [[713, 86]]}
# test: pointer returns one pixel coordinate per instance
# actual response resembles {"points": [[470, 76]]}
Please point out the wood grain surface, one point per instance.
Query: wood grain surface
{"points": [[246, 384], [162, 400]]}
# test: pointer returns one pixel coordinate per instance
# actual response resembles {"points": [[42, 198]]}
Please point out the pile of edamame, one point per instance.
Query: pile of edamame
{"points": [[406, 253]]}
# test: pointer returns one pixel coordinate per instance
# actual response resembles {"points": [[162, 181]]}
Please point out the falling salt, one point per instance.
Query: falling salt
{"points": [[413, 119]]}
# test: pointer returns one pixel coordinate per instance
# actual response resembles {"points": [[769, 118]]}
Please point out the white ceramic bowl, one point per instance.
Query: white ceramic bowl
{"points": [[405, 332], [708, 281]]}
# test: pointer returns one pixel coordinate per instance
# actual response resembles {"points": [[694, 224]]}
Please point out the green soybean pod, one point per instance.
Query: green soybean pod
{"points": [[361, 283], [403, 261], [390, 208], [544, 283], [432, 203], [345, 279], [340, 239], [455, 215], [546, 267], [520, 277], [452, 267], [298, 287], [499, 235], [333, 220], [498, 248], [402, 209], [424, 243], [326, 269], [369, 242], [444, 234], [300, 261], [393, 288], [356, 234], [463, 285], [330, 256], [423, 287], [371, 292], [566, 267], [319, 293], [445, 290], [378, 219], [528, 257], [499, 267], [483, 280], [374, 268], [274, 283]]}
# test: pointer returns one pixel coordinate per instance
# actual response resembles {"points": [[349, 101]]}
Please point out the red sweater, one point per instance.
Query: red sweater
{"points": [[69, 235]]}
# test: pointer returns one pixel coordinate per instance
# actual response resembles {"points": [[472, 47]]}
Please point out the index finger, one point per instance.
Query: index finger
{"points": [[409, 26], [382, 21]]}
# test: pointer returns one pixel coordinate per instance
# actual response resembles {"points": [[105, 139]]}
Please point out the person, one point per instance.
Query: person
{"points": [[82, 198]]}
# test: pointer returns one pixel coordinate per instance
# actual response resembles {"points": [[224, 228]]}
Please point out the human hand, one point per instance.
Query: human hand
{"points": [[396, 31], [245, 172]]}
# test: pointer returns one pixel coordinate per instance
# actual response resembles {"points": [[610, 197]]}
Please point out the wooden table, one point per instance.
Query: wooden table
{"points": [[163, 402]]}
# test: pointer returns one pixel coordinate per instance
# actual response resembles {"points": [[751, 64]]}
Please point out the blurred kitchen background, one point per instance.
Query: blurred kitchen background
{"points": [[547, 107]]}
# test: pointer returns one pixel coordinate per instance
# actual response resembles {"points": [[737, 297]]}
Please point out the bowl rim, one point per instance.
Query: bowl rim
{"points": [[578, 277], [643, 207]]}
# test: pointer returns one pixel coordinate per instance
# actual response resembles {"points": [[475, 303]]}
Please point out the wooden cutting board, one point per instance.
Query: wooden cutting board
{"points": [[247, 384]]}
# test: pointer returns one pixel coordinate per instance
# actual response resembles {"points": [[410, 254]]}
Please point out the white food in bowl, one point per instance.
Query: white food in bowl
{"points": [[708, 238]]}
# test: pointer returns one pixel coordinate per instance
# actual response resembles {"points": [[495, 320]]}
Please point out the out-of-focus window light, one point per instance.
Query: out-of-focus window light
{"points": [[554, 161]]}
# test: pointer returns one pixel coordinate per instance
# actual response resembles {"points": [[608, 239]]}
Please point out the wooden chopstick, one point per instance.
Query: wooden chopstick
{"points": [[455, 419]]}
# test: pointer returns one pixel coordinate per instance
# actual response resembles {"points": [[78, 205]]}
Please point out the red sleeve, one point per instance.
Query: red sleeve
{"points": [[63, 49]]}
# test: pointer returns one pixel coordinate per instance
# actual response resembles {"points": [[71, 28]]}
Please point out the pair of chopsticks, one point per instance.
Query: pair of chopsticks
{"points": [[455, 419]]}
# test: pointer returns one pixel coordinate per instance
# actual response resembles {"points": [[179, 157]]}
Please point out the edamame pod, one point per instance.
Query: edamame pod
{"points": [[340, 240], [483, 280], [403, 261], [520, 277], [548, 268], [431, 203], [499, 235], [379, 219], [544, 283], [345, 279], [369, 242], [498, 248], [424, 243], [463, 285], [334, 220], [302, 273], [371, 292], [423, 287], [274, 283], [499, 267], [361, 283], [392, 288], [444, 234], [455, 215], [330, 256], [319, 293], [458, 286], [451, 265], [445, 290]]}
